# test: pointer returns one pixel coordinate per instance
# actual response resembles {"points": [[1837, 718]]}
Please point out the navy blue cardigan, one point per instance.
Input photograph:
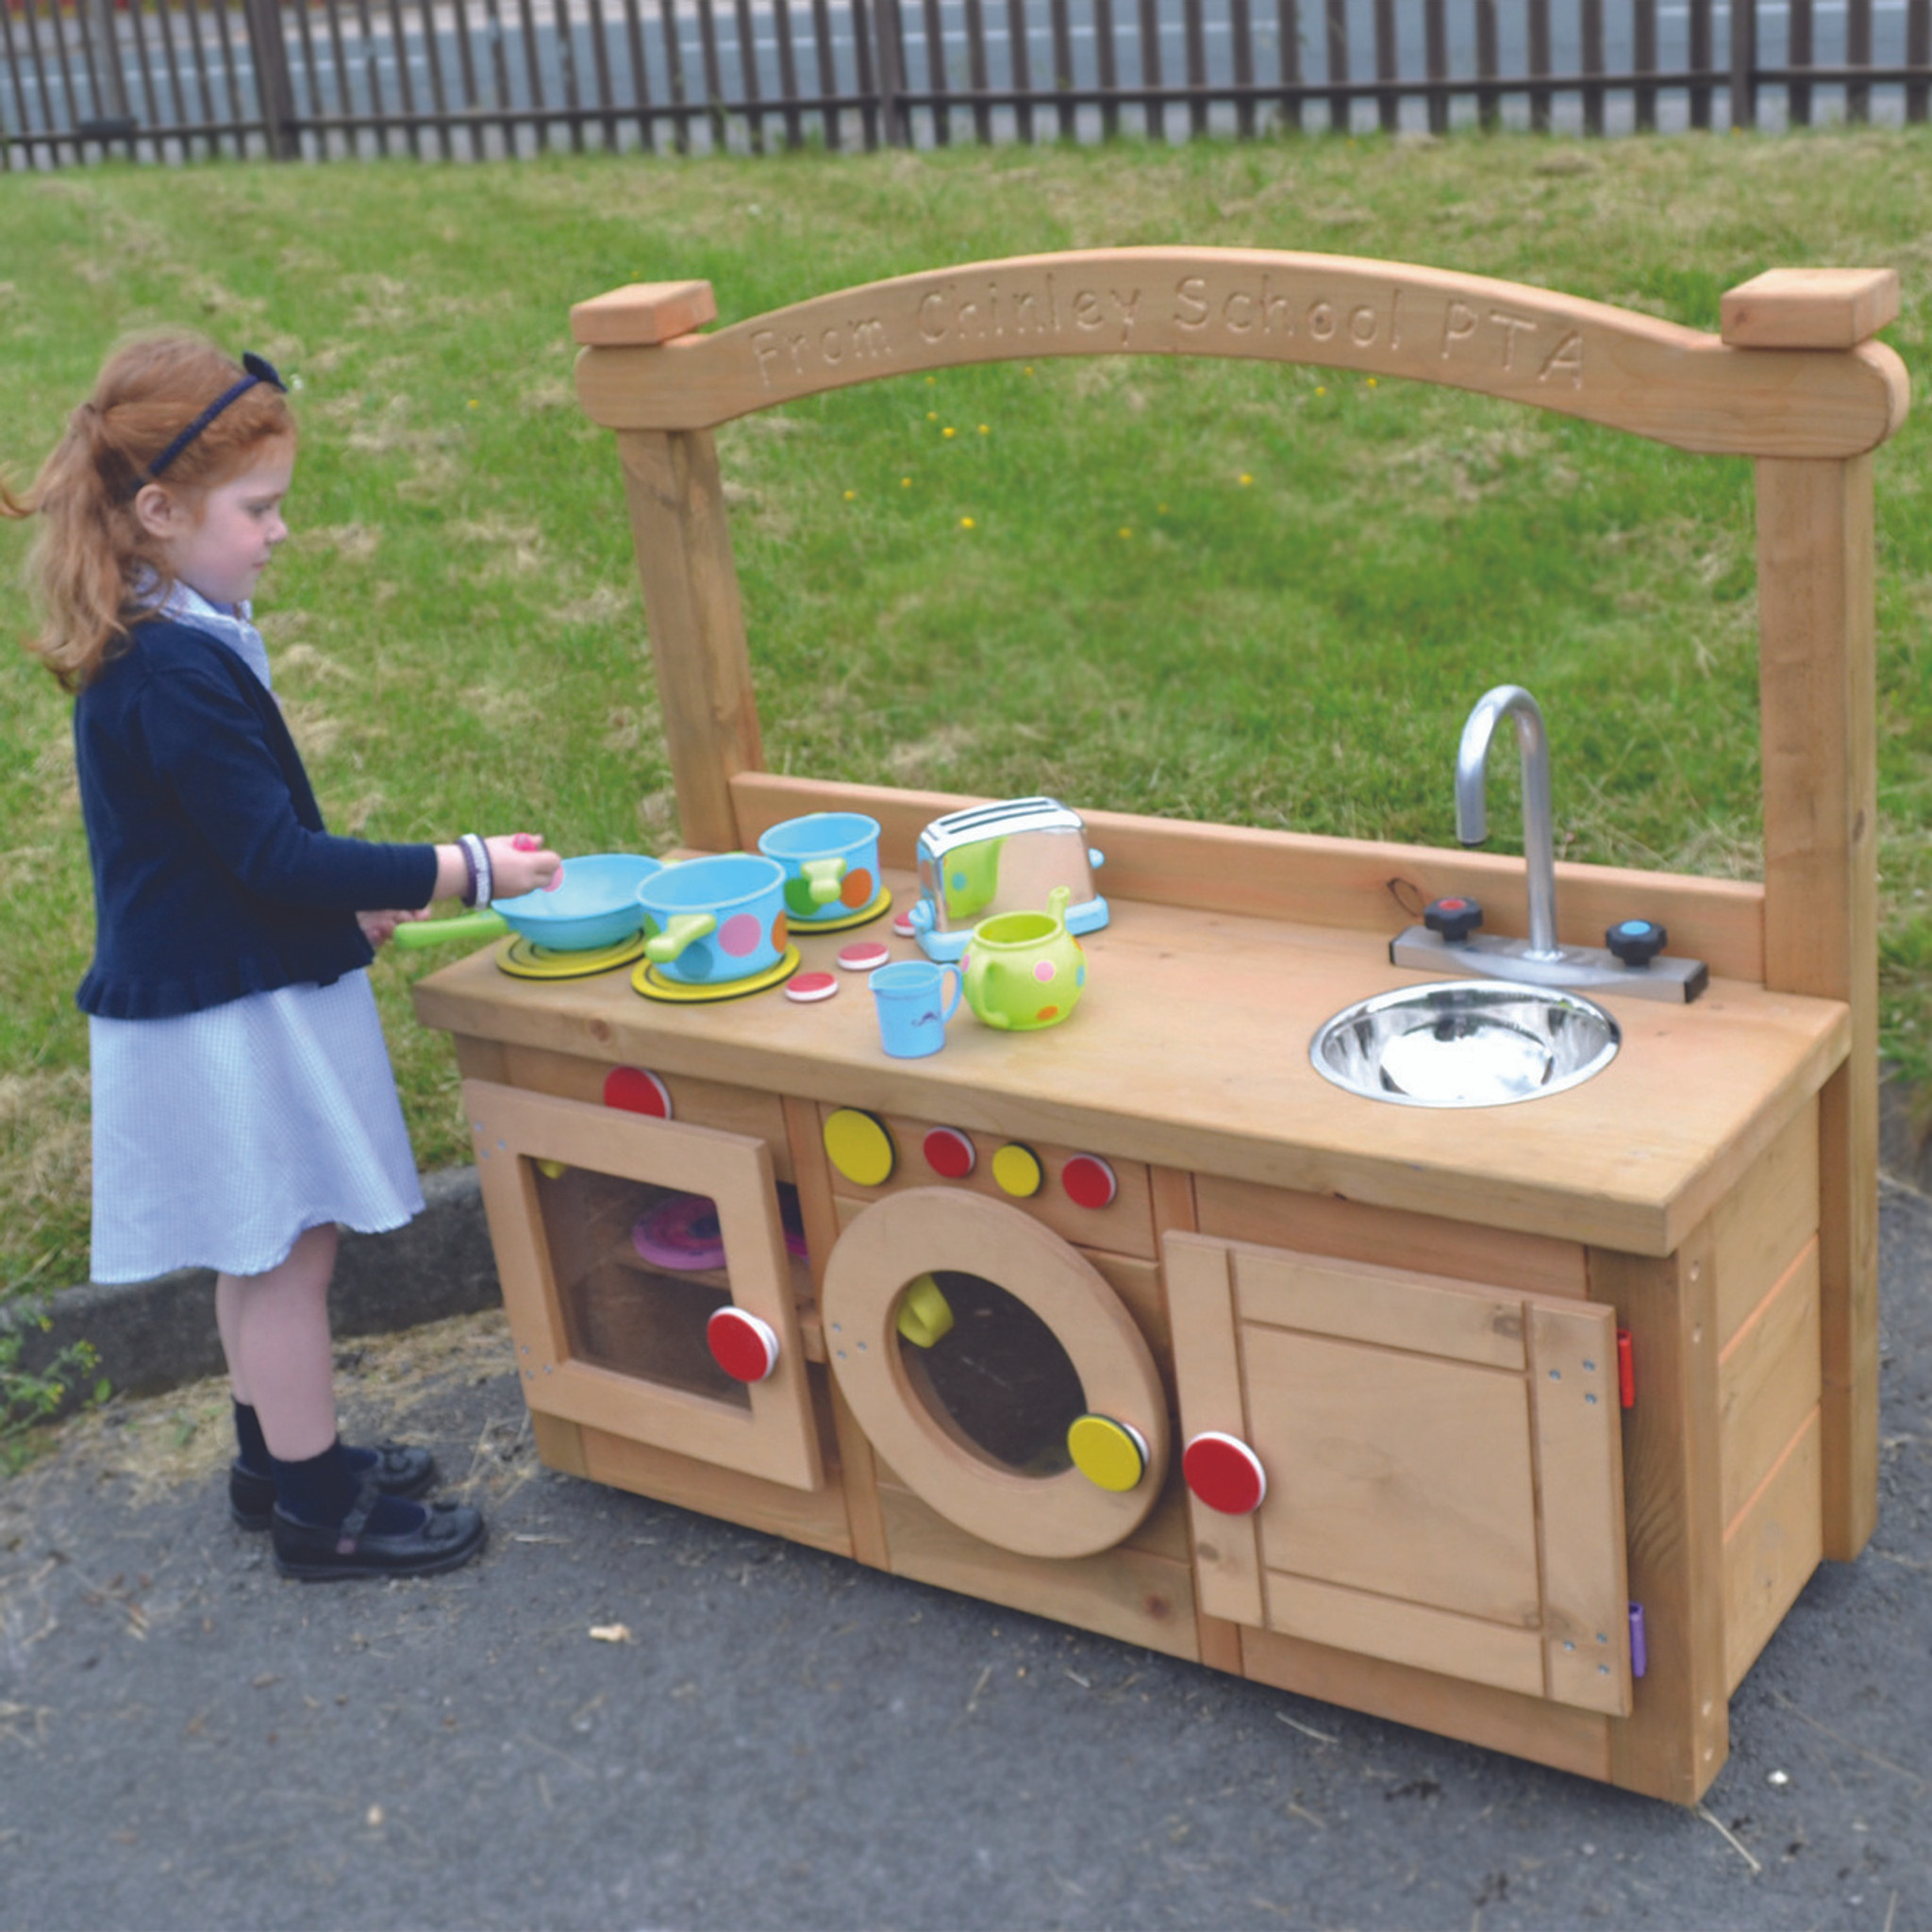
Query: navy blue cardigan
{"points": [[214, 875]]}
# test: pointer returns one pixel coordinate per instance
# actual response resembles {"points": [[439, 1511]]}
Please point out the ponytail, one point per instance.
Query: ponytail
{"points": [[93, 567]]}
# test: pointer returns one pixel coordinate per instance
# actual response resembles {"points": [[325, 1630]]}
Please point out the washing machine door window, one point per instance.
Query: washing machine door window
{"points": [[997, 1375], [991, 1459]]}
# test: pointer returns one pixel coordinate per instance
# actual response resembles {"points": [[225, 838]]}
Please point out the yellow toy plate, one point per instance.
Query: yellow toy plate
{"points": [[846, 921], [525, 958], [654, 986]]}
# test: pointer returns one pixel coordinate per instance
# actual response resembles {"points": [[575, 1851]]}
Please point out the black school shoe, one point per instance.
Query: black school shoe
{"points": [[400, 1471], [449, 1535]]}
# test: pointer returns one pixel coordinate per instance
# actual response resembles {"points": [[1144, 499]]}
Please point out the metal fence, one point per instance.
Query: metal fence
{"points": [[173, 80]]}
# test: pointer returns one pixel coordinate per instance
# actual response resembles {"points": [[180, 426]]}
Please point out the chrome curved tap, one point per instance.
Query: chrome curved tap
{"points": [[1472, 813]]}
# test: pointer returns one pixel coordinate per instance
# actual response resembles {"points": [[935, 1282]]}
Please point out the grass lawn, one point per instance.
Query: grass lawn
{"points": [[1219, 591]]}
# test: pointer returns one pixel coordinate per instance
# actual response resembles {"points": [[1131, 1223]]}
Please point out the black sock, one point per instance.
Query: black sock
{"points": [[321, 1490], [251, 1442]]}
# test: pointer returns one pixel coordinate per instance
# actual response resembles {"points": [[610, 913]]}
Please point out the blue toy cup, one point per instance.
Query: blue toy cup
{"points": [[715, 919], [909, 995], [831, 861]]}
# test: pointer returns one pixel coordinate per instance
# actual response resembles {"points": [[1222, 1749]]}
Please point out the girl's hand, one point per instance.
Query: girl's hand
{"points": [[377, 926], [519, 862]]}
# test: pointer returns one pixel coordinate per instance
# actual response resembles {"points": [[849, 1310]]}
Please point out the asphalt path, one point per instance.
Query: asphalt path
{"points": [[629, 1716]]}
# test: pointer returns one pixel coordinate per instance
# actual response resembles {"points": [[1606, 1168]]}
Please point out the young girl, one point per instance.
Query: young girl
{"points": [[243, 1104]]}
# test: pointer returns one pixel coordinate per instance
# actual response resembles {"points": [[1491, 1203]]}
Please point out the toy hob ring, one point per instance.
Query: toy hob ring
{"points": [[683, 1232]]}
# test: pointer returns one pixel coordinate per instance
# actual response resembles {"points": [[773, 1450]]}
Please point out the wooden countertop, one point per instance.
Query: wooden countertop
{"points": [[1190, 1049]]}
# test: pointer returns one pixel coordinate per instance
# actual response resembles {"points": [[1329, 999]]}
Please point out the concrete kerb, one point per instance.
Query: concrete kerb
{"points": [[156, 1335], [152, 1336]]}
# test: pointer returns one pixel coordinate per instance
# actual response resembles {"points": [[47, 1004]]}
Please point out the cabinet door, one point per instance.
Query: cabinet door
{"points": [[1443, 1466], [585, 1202]]}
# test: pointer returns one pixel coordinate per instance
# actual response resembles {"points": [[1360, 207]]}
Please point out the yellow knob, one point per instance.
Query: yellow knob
{"points": [[924, 1313], [1111, 1455], [552, 1169], [1018, 1171], [859, 1147]]}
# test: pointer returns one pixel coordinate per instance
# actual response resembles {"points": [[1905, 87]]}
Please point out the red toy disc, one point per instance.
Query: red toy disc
{"points": [[949, 1153], [743, 1345], [862, 956], [902, 924], [1224, 1473], [636, 1091], [1090, 1181], [807, 986]]}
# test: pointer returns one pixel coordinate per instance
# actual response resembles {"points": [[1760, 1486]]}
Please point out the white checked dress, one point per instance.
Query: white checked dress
{"points": [[221, 1136]]}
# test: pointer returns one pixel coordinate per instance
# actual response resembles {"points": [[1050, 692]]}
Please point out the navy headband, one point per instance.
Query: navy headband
{"points": [[258, 370]]}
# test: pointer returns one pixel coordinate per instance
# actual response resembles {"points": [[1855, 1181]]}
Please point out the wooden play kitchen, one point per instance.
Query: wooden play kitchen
{"points": [[1524, 1423]]}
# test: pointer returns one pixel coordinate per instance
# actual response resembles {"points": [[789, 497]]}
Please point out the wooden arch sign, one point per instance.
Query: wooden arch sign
{"points": [[1793, 380]]}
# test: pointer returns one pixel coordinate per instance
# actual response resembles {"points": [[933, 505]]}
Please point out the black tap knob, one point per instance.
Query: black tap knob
{"points": [[1454, 919], [1637, 942]]}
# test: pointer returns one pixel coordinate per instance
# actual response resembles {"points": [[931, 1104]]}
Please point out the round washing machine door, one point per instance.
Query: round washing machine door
{"points": [[968, 1341]]}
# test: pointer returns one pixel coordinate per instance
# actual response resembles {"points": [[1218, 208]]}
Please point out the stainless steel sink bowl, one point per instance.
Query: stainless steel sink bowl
{"points": [[1465, 1043]]}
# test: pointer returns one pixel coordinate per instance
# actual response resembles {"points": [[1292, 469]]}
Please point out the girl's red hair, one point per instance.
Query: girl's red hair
{"points": [[92, 552]]}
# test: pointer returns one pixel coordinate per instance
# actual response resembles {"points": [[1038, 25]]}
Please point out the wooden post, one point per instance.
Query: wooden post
{"points": [[1679, 1734], [689, 578], [1818, 701]]}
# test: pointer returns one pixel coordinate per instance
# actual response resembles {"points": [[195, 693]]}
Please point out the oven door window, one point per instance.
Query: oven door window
{"points": [[618, 1238]]}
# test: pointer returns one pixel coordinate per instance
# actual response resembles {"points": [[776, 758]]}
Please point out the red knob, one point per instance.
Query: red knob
{"points": [[949, 1153], [636, 1091], [1090, 1181], [743, 1345], [1224, 1474]]}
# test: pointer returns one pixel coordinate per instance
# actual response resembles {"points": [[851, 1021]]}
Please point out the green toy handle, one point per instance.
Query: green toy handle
{"points": [[824, 875], [680, 930], [413, 934]]}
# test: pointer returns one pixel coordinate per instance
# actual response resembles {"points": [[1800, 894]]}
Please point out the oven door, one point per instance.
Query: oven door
{"points": [[1412, 1468], [606, 1226]]}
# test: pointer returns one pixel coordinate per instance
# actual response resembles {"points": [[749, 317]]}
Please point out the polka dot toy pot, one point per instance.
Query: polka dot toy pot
{"points": [[717, 919], [831, 861], [1025, 969]]}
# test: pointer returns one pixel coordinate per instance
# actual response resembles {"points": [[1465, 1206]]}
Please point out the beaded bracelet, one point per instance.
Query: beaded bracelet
{"points": [[477, 863]]}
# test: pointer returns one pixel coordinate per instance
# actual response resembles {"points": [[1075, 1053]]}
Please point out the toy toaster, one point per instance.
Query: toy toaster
{"points": [[1003, 858]]}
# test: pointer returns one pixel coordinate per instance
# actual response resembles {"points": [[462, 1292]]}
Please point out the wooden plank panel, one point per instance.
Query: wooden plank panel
{"points": [[1396, 1474], [1768, 1381], [559, 1445], [1297, 876], [816, 1517], [1522, 1725], [1761, 1226], [1125, 1226], [1772, 1550], [1383, 1307], [1228, 1088], [1200, 1306], [1123, 1593], [1817, 685], [695, 1102], [1525, 344], [1579, 1474], [1677, 1736], [1356, 1231], [1407, 1633]]}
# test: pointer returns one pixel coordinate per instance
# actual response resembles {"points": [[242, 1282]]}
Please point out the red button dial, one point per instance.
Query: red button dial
{"points": [[1224, 1474], [636, 1091], [949, 1153], [1090, 1181], [743, 1345]]}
